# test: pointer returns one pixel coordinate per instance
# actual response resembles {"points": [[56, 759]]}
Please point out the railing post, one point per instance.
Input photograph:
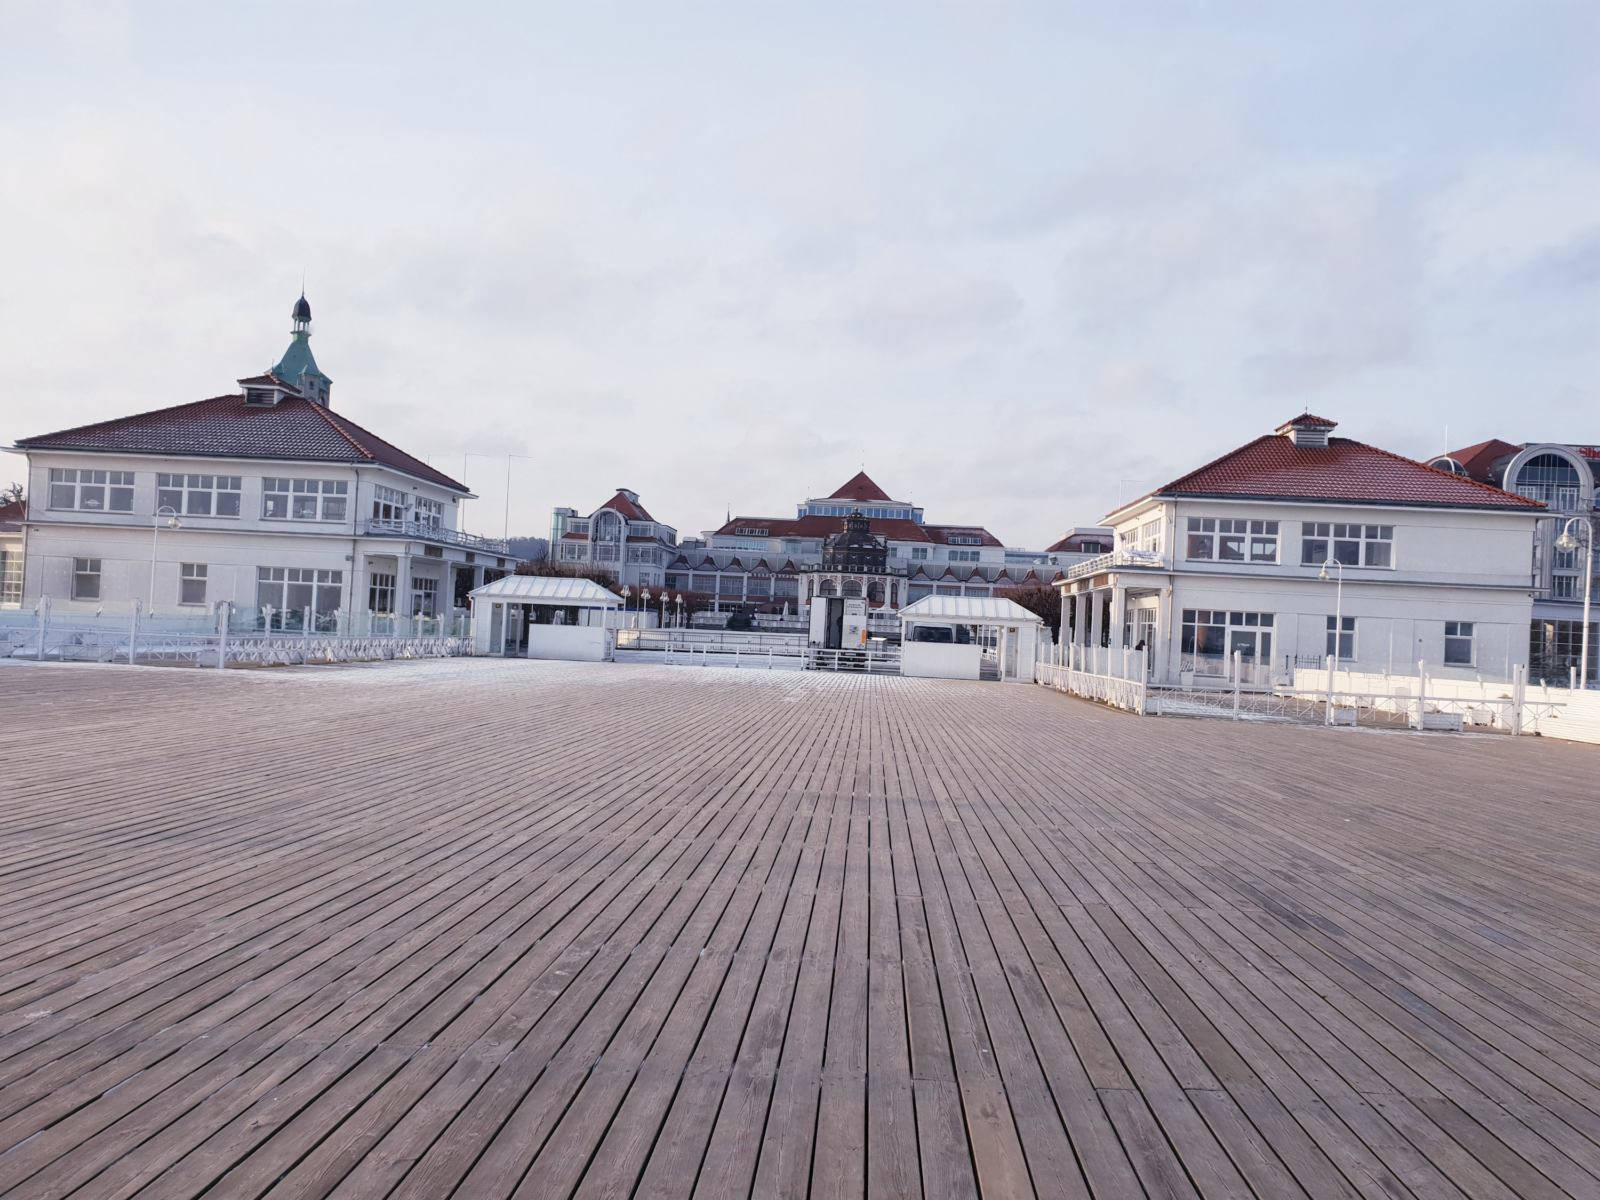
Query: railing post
{"points": [[1422, 691], [1237, 662], [305, 621], [225, 613], [1519, 693], [133, 633], [43, 611]]}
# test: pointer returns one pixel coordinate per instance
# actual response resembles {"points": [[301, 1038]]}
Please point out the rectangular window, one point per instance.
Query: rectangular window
{"points": [[919, 554], [380, 593], [963, 556], [1564, 587], [1347, 639], [1210, 637], [192, 583], [1352, 545], [86, 579], [199, 495], [291, 590], [427, 514], [1458, 643], [1225, 539], [304, 499], [425, 597], [1149, 537], [389, 504], [83, 490]]}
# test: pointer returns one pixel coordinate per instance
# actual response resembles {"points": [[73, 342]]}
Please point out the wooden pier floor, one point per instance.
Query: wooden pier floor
{"points": [[493, 929]]}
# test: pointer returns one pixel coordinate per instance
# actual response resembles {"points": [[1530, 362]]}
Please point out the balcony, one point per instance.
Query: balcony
{"points": [[423, 533], [1102, 563]]}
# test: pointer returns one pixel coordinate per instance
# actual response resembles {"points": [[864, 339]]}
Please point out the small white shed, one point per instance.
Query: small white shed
{"points": [[951, 637], [544, 616]]}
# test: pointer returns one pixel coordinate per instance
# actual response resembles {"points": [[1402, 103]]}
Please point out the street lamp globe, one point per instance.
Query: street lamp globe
{"points": [[1566, 541]]}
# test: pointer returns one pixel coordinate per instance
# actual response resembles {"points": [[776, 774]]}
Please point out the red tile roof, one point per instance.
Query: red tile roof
{"points": [[630, 509], [894, 528], [294, 429], [1342, 472], [859, 487], [1476, 460], [13, 514], [1308, 421]]}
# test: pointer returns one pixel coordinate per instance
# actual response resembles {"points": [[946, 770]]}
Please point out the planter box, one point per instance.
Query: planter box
{"points": [[1444, 722]]}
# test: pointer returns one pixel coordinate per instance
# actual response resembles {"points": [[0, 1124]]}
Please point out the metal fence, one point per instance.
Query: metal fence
{"points": [[1115, 677], [223, 636]]}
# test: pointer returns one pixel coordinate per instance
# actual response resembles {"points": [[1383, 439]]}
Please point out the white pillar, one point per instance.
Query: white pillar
{"points": [[402, 583], [1097, 618], [1119, 616]]}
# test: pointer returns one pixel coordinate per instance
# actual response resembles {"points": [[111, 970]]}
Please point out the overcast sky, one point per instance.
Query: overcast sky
{"points": [[1018, 260]]}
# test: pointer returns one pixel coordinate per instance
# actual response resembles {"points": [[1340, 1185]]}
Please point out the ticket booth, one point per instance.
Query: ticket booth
{"points": [[544, 616]]}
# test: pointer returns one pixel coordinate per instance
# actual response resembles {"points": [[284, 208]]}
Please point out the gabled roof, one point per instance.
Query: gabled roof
{"points": [[859, 487], [980, 609], [294, 429], [629, 508], [550, 589], [1476, 460], [1343, 472], [1307, 421]]}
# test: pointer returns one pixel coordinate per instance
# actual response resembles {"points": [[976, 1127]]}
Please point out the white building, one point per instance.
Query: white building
{"points": [[764, 564], [1561, 476], [1427, 565], [619, 537], [265, 497]]}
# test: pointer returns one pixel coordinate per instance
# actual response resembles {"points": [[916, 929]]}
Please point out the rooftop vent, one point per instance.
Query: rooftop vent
{"points": [[1307, 430]]}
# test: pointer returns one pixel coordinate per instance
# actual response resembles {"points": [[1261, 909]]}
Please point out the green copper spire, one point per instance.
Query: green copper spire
{"points": [[298, 366]]}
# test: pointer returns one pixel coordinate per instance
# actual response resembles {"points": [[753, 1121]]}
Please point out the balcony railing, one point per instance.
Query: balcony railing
{"points": [[1116, 558], [424, 533]]}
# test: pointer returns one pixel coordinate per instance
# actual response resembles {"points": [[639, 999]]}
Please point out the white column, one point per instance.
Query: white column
{"points": [[1096, 618], [402, 582], [1119, 616]]}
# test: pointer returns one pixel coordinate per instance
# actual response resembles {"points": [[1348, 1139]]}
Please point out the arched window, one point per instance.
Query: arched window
{"points": [[1448, 464], [826, 588], [852, 587], [606, 535], [1551, 478]]}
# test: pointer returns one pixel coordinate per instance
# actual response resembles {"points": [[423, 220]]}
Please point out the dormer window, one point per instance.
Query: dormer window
{"points": [[262, 396], [1307, 431]]}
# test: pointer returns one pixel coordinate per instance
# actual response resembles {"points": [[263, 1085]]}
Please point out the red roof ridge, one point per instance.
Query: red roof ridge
{"points": [[338, 427]]}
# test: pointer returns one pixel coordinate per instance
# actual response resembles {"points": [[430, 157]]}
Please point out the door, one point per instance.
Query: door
{"points": [[1144, 634], [497, 625], [515, 614], [835, 631]]}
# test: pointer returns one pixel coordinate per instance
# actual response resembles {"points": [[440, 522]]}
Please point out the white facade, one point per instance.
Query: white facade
{"points": [[619, 537], [1194, 579], [367, 539]]}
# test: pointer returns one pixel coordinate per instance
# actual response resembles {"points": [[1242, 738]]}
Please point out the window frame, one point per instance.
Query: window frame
{"points": [[1453, 633], [1348, 631], [1365, 538], [305, 499], [180, 491], [1215, 532], [87, 568], [112, 486], [189, 573]]}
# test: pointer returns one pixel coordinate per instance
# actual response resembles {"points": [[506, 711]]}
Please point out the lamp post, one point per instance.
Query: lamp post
{"points": [[644, 604], [166, 510], [627, 593], [1338, 625], [680, 609], [663, 599], [1567, 541]]}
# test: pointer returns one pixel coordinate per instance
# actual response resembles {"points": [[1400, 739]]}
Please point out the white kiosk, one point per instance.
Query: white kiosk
{"points": [[544, 616], [958, 637]]}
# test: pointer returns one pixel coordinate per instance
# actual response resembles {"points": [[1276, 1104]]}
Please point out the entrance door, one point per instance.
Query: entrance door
{"points": [[835, 629], [497, 625], [516, 614], [1144, 634]]}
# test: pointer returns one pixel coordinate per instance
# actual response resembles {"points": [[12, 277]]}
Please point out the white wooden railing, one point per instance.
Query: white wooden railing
{"points": [[1102, 563], [1108, 676]]}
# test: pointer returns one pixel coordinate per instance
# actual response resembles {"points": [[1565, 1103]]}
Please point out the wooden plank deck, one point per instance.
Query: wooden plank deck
{"points": [[494, 929]]}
